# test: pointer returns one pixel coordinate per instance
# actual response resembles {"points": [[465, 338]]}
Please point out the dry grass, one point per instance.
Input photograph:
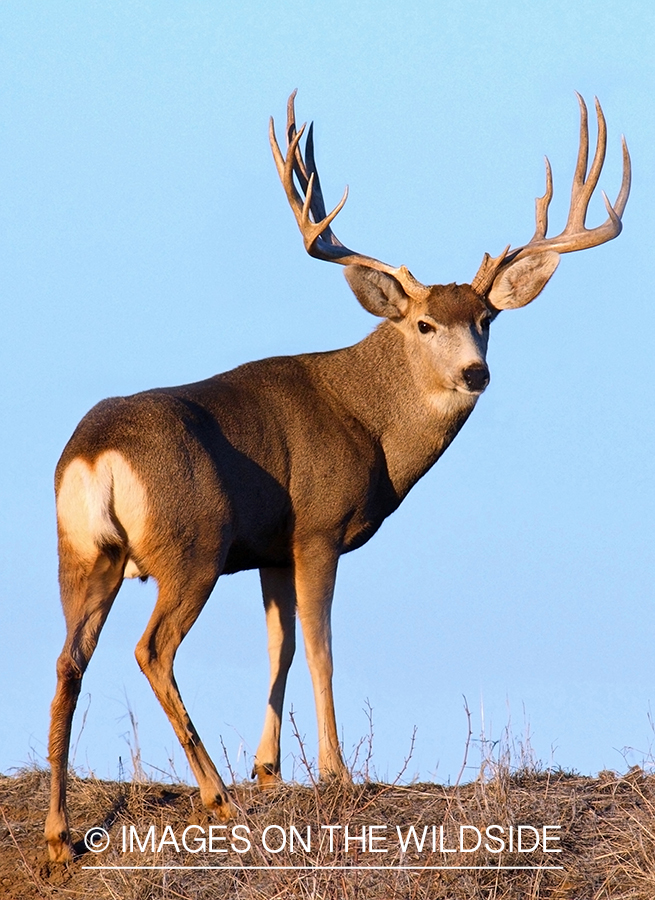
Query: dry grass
{"points": [[607, 839]]}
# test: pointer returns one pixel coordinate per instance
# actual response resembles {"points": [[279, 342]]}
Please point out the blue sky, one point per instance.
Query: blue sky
{"points": [[145, 241]]}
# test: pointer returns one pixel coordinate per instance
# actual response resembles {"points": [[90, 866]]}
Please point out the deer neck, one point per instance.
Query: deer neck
{"points": [[377, 384]]}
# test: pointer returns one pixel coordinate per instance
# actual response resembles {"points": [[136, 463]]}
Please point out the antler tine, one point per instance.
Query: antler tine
{"points": [[583, 187], [299, 163], [542, 204], [285, 168], [624, 191], [583, 149], [318, 204], [599, 155]]}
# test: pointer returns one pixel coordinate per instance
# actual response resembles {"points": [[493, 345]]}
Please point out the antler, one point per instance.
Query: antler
{"points": [[313, 220], [575, 235]]}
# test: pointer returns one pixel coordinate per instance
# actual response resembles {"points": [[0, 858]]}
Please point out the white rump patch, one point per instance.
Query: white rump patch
{"points": [[87, 496]]}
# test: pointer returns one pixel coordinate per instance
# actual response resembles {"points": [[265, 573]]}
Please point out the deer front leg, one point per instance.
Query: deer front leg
{"points": [[315, 574], [280, 604]]}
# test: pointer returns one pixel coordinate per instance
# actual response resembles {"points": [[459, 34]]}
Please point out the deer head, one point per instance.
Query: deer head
{"points": [[448, 325]]}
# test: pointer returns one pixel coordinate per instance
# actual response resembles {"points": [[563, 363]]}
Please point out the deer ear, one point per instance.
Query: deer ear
{"points": [[522, 281], [378, 292]]}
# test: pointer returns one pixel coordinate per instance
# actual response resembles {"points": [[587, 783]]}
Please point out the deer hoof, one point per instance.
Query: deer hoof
{"points": [[223, 808], [60, 850], [267, 781]]}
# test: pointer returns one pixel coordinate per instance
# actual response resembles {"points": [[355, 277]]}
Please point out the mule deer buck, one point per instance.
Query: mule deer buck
{"points": [[281, 465]]}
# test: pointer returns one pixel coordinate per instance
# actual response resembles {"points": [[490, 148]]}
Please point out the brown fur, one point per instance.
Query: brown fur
{"points": [[281, 465]]}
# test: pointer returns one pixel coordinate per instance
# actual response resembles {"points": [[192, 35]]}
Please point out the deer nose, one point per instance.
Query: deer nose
{"points": [[476, 377]]}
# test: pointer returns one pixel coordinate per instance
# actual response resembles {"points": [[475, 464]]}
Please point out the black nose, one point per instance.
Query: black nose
{"points": [[476, 377]]}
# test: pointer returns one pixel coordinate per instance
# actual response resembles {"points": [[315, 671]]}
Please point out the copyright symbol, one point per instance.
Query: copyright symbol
{"points": [[96, 840]]}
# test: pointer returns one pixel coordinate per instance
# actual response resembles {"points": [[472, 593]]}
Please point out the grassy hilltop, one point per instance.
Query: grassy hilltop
{"points": [[605, 827]]}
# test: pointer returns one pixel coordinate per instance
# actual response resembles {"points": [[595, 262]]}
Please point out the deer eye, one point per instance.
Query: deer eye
{"points": [[425, 327]]}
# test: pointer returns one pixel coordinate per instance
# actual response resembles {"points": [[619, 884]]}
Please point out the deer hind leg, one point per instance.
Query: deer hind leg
{"points": [[180, 601], [88, 590], [315, 574], [280, 605]]}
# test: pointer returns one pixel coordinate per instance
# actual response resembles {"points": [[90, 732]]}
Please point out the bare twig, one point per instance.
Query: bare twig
{"points": [[468, 742]]}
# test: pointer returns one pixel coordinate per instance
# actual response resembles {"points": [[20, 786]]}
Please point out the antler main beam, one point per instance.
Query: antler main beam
{"points": [[310, 211], [575, 236]]}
